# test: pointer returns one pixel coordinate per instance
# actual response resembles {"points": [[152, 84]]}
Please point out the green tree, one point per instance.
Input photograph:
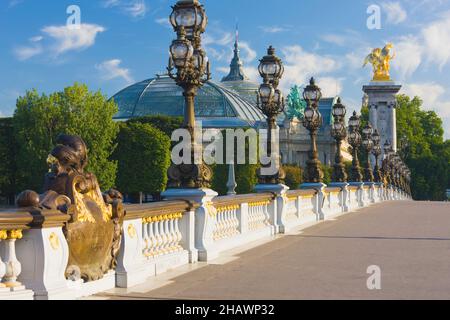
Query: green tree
{"points": [[143, 155], [39, 119], [295, 103], [294, 176], [8, 164], [164, 123], [420, 142]]}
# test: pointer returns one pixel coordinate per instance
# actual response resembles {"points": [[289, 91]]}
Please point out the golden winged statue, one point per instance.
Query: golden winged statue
{"points": [[380, 60]]}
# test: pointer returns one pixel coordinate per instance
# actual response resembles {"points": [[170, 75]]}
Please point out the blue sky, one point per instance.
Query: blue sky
{"points": [[124, 41]]}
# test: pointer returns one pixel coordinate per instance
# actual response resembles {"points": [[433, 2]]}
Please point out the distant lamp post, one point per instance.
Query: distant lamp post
{"points": [[367, 144], [312, 121], [376, 151], [354, 139], [386, 165], [192, 66], [339, 133], [271, 103]]}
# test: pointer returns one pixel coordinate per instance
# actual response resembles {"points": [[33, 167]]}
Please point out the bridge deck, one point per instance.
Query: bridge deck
{"points": [[409, 241]]}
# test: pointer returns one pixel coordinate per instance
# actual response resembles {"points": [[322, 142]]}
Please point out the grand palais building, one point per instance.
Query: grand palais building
{"points": [[228, 104]]}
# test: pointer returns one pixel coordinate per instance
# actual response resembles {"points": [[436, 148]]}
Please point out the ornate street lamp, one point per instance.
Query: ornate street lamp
{"points": [[368, 144], [386, 165], [271, 103], [339, 133], [312, 121], [354, 139], [376, 151], [192, 71]]}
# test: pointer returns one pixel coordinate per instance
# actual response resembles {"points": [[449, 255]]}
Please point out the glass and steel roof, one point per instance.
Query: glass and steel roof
{"points": [[215, 105]]}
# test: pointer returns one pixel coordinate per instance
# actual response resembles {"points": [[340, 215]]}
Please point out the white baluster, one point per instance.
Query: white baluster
{"points": [[236, 220], [3, 236], [163, 235], [179, 236], [13, 266], [158, 237], [152, 239], [146, 240]]}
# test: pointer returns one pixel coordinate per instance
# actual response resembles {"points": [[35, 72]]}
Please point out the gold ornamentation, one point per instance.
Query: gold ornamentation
{"points": [[15, 234], [3, 235], [132, 231], [54, 241], [259, 203], [380, 61]]}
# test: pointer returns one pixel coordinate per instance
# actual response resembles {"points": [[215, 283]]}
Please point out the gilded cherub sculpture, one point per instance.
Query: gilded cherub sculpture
{"points": [[380, 60]]}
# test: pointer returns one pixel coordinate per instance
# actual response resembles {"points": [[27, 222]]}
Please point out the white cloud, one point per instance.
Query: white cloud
{"points": [[134, 8], [336, 39], [110, 3], [67, 38], [394, 12], [300, 65], [25, 53], [436, 39], [409, 53], [273, 29], [111, 69], [164, 22]]}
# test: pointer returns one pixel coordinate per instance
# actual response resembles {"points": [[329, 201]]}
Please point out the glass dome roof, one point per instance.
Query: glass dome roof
{"points": [[215, 105]]}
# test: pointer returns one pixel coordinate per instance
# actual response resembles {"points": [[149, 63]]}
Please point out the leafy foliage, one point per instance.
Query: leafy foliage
{"points": [[294, 176], [143, 155], [8, 167], [39, 119], [421, 144], [164, 123]]}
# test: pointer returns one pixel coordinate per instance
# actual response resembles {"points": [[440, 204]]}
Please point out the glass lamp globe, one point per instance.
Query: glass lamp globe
{"points": [[312, 93], [266, 92], [270, 66], [181, 52], [339, 109], [190, 15]]}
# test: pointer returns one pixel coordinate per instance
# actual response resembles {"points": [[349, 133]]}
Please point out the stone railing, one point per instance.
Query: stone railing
{"points": [[34, 254], [156, 237], [161, 236]]}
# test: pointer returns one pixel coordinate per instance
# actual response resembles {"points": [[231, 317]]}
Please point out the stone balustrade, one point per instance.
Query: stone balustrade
{"points": [[161, 236]]}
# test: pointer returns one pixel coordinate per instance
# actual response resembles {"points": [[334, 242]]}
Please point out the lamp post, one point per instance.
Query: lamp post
{"points": [[367, 144], [354, 139], [312, 121], [376, 151], [386, 164], [339, 133], [192, 66], [271, 103]]}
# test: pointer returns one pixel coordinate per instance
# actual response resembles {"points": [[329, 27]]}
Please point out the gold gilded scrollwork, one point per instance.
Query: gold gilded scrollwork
{"points": [[3, 235]]}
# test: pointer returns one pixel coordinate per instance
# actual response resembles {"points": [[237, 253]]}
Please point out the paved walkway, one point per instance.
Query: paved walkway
{"points": [[409, 241]]}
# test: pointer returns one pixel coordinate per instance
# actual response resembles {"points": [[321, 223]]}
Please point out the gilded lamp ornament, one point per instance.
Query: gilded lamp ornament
{"points": [[192, 66], [339, 133], [271, 103], [380, 60], [312, 121]]}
